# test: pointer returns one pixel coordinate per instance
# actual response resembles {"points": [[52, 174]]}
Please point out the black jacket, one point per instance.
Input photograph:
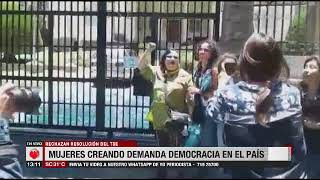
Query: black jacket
{"points": [[310, 107]]}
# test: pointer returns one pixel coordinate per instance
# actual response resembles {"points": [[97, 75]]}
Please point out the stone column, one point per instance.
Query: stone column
{"points": [[313, 24], [237, 25]]}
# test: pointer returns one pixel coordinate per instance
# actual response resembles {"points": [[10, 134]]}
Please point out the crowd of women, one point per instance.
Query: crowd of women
{"points": [[230, 100], [240, 100]]}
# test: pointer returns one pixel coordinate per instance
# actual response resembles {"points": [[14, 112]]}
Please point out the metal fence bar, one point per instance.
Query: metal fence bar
{"points": [[194, 32], [50, 71], [83, 72], [217, 21], [131, 34], [32, 50], [37, 49], [7, 41], [101, 53], [90, 55], [138, 40], [111, 68], [117, 46], [58, 82], [77, 83], [12, 39], [19, 46], [71, 57], [144, 47], [64, 64], [282, 22], [274, 20]]}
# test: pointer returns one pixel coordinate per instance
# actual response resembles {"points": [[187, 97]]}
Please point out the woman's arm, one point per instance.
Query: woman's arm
{"points": [[214, 109], [7, 106], [189, 95], [143, 61]]}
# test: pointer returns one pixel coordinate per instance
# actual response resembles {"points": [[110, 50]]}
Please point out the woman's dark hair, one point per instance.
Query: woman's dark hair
{"points": [[163, 59], [261, 60], [312, 58], [214, 54], [213, 49], [224, 57]]}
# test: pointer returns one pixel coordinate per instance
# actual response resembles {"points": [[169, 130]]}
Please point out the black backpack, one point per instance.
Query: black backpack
{"points": [[198, 114], [141, 86]]}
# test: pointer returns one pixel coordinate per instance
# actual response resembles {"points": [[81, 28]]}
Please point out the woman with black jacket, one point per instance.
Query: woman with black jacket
{"points": [[311, 103]]}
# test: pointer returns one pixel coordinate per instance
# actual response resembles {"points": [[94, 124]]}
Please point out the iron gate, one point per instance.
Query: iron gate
{"points": [[74, 52]]}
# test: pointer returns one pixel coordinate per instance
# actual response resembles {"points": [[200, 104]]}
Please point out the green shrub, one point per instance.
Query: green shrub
{"points": [[296, 39]]}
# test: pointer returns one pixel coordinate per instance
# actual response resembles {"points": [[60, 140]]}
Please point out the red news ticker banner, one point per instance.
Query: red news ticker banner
{"points": [[64, 164]]}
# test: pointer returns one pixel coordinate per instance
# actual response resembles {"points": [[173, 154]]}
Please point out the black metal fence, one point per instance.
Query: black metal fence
{"points": [[73, 51], [293, 23]]}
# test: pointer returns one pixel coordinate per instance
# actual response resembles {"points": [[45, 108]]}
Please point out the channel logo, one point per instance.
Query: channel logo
{"points": [[34, 154]]}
